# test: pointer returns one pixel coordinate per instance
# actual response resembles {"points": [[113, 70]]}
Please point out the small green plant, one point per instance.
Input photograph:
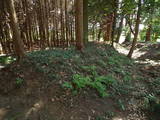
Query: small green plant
{"points": [[106, 116], [102, 63], [67, 85], [6, 59], [121, 105], [19, 81], [152, 103], [127, 78], [81, 81], [100, 83], [119, 60], [91, 69], [110, 114], [100, 87]]}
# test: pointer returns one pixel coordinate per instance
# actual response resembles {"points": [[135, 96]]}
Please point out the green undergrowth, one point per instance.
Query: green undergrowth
{"points": [[5, 60], [98, 67], [92, 80]]}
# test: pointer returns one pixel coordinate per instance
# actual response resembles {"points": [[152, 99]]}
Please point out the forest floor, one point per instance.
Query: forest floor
{"points": [[96, 84]]}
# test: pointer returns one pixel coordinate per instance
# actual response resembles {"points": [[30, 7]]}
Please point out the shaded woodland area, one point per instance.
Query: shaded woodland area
{"points": [[62, 23], [79, 59]]}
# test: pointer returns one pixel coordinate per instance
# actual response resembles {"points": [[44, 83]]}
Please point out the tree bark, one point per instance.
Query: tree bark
{"points": [[120, 29], [108, 27], [149, 29], [114, 21], [148, 33], [79, 25], [136, 30], [85, 20], [100, 32], [18, 43]]}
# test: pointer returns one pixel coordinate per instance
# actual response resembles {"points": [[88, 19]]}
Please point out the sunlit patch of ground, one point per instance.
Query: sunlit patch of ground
{"points": [[5, 60], [137, 53], [36, 107], [148, 61], [117, 118], [1, 67], [121, 49]]}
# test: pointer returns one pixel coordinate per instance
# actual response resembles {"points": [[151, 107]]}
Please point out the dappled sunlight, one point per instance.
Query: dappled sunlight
{"points": [[117, 118], [36, 107], [136, 54], [148, 61], [79, 60], [6, 60], [1, 67], [3, 112], [121, 49], [2, 55]]}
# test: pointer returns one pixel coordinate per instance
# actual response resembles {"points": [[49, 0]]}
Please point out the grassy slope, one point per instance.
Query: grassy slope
{"points": [[100, 67], [60, 65]]}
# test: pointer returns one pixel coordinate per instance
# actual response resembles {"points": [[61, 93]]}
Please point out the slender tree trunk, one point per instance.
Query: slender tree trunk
{"points": [[136, 30], [120, 29], [148, 33], [114, 20], [18, 44], [93, 31], [100, 32], [85, 20], [79, 25], [108, 27], [149, 29]]}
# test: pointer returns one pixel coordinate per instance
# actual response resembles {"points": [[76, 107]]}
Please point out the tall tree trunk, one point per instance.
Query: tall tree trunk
{"points": [[18, 44], [120, 29], [116, 2], [100, 32], [108, 27], [79, 25], [136, 30], [148, 33], [85, 20], [93, 31], [149, 29]]}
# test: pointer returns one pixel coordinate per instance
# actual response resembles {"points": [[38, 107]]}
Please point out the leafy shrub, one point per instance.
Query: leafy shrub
{"points": [[67, 85], [91, 69], [100, 83], [7, 59], [121, 105], [81, 81], [19, 81], [100, 87]]}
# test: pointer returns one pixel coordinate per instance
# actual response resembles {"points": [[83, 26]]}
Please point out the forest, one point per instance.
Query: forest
{"points": [[79, 59]]}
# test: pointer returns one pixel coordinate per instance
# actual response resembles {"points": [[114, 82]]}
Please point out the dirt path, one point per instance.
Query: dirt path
{"points": [[148, 53]]}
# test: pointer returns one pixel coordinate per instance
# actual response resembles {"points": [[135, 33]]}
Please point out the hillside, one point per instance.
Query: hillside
{"points": [[63, 84]]}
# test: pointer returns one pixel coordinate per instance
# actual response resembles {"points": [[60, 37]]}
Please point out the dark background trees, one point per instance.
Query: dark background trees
{"points": [[68, 82], [52, 23]]}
